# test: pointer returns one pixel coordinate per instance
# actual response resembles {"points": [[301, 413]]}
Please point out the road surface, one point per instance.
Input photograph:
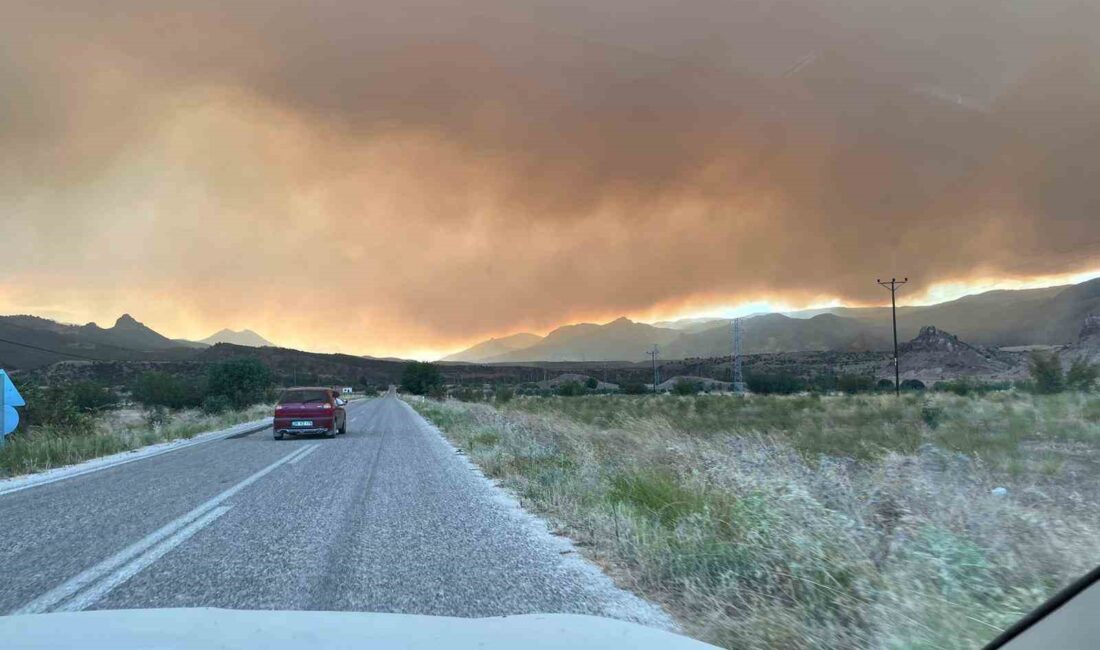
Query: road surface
{"points": [[387, 518]]}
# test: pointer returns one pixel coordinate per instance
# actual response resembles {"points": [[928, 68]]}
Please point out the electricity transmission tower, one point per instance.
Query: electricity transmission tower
{"points": [[736, 379], [653, 356], [893, 286]]}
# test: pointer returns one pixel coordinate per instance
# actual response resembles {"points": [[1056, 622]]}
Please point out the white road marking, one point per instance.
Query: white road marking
{"points": [[309, 450], [104, 586], [70, 587], [20, 483]]}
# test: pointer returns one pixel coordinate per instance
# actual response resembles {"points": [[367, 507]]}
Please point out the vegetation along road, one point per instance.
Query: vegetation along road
{"points": [[388, 518]]}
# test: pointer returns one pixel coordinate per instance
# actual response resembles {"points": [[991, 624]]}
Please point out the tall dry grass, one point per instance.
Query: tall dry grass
{"points": [[800, 522]]}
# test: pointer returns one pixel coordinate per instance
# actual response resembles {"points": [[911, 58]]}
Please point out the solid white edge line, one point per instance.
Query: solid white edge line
{"points": [[28, 482], [106, 585], [78, 582]]}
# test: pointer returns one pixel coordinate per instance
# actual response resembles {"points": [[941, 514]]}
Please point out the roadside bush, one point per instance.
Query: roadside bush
{"points": [[885, 385], [156, 417], [780, 383], [1081, 376], [215, 404], [852, 384], [465, 394], [634, 388], [242, 382], [912, 384], [53, 407], [1046, 372], [570, 389], [504, 394], [687, 387], [420, 378], [89, 397], [591, 383], [156, 388]]}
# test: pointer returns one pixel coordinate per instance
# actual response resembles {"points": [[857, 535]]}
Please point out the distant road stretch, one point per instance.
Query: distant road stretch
{"points": [[387, 518]]}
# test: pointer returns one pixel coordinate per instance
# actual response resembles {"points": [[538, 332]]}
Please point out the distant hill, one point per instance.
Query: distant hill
{"points": [[494, 347], [31, 342], [1049, 316], [778, 333], [621, 339], [247, 338]]}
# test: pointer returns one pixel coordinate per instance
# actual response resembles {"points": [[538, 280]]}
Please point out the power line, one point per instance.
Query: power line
{"points": [[57, 352], [736, 379], [893, 286], [653, 355]]}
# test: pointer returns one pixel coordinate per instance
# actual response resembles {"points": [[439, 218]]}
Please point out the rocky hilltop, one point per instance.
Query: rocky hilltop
{"points": [[935, 355]]}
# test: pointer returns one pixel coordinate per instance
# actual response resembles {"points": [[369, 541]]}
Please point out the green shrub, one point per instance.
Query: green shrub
{"points": [[89, 397], [242, 382], [215, 404], [912, 384], [504, 394], [1046, 372], [591, 383], [420, 378], [570, 389], [1081, 376], [156, 388], [780, 383], [53, 407], [687, 387], [852, 384], [634, 388]]}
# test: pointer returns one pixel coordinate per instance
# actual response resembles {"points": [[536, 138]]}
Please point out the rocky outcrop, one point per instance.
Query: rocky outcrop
{"points": [[936, 355]]}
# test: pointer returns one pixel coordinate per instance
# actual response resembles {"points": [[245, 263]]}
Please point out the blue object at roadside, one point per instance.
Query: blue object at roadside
{"points": [[9, 399]]}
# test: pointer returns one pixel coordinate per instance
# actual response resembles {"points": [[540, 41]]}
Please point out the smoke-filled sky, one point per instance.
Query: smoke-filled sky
{"points": [[407, 178]]}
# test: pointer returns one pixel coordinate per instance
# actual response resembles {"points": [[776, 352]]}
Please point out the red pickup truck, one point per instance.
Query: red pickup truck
{"points": [[310, 410]]}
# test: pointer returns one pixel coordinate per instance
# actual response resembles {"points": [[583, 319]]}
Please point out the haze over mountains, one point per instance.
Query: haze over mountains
{"points": [[246, 338], [1049, 316]]}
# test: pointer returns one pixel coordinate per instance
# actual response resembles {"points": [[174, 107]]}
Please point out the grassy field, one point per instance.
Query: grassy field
{"points": [[45, 447], [797, 522]]}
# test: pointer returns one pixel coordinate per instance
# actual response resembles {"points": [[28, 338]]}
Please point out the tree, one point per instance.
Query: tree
{"points": [[156, 388], [88, 396], [685, 387], [1082, 375], [780, 383], [591, 383], [912, 384], [570, 389], [421, 378], [1046, 372], [634, 388], [242, 381], [852, 384]]}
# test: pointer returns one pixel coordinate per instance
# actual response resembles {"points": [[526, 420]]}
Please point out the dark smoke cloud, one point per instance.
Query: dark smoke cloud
{"points": [[457, 169]]}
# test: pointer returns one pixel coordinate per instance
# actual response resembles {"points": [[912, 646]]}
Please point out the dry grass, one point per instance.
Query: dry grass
{"points": [[799, 522]]}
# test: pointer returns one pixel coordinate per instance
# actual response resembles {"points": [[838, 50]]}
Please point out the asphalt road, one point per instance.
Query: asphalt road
{"points": [[387, 518]]}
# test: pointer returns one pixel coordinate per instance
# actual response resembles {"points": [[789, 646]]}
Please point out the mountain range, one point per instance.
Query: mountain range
{"points": [[1050, 316], [1047, 316], [30, 342]]}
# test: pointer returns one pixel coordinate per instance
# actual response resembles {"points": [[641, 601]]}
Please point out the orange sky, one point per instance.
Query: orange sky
{"points": [[410, 179]]}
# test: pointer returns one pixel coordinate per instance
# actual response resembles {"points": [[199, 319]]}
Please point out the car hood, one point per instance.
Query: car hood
{"points": [[203, 628]]}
